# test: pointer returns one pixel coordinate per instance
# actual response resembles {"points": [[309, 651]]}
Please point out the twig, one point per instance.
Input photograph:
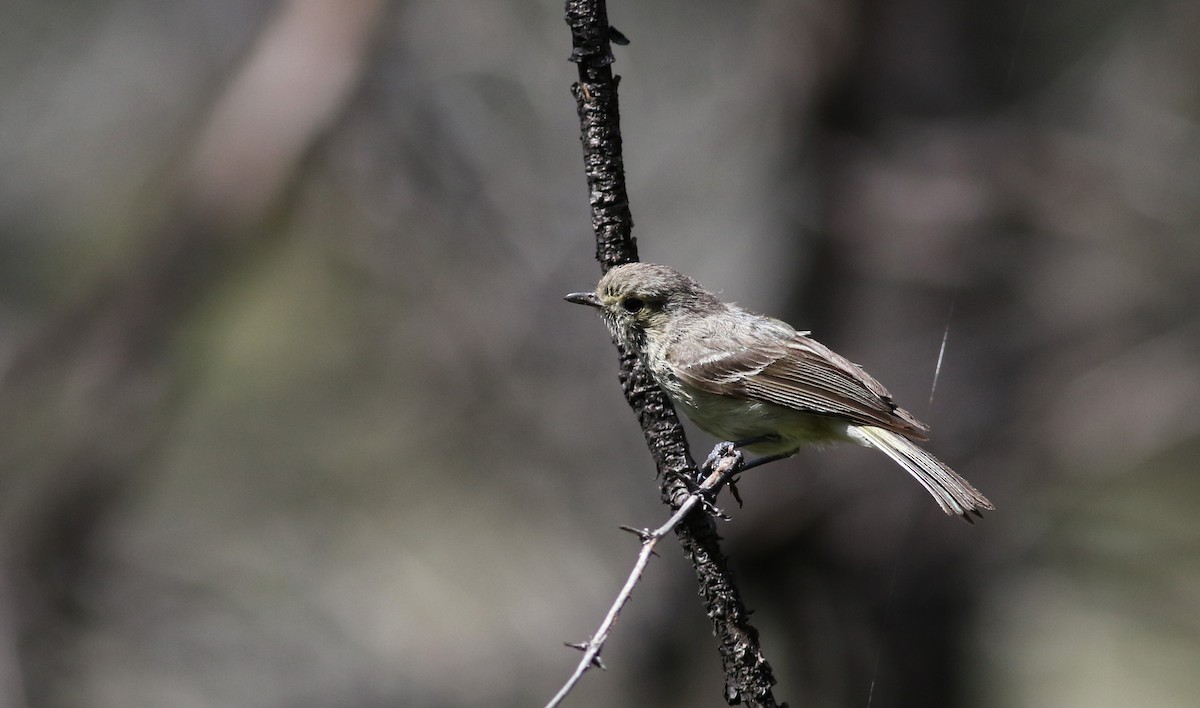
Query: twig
{"points": [[724, 462]]}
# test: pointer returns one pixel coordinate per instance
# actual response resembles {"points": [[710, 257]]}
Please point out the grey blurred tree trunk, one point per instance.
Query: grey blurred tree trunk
{"points": [[83, 402]]}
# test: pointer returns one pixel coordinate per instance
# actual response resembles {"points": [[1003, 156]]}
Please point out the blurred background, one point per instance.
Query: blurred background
{"points": [[292, 412]]}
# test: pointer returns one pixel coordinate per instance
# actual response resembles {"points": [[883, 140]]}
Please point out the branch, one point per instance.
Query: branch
{"points": [[748, 676]]}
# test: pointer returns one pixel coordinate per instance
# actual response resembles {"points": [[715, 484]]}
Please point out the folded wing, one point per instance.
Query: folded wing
{"points": [[781, 366]]}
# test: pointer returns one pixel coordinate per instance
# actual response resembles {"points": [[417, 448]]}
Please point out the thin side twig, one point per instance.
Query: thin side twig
{"points": [[724, 462]]}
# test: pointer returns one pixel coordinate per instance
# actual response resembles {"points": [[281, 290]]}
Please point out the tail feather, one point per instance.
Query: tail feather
{"points": [[954, 494]]}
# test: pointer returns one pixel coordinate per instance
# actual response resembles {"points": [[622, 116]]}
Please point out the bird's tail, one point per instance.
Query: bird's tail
{"points": [[954, 494]]}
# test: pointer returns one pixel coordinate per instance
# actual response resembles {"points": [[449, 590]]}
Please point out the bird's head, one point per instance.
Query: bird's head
{"points": [[641, 299]]}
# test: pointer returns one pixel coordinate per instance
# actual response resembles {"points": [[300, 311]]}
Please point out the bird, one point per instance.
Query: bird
{"points": [[759, 383]]}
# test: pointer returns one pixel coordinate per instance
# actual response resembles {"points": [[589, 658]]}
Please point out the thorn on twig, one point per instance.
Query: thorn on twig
{"points": [[617, 37], [583, 646], [643, 534]]}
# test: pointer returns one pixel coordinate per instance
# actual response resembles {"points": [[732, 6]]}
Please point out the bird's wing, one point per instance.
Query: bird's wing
{"points": [[785, 368]]}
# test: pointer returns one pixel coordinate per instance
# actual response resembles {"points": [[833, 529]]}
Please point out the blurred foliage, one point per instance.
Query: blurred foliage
{"points": [[293, 414]]}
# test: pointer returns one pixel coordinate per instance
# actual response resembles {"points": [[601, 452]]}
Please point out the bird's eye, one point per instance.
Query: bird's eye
{"points": [[632, 304]]}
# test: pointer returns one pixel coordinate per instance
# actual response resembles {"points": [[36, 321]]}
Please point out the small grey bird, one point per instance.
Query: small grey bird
{"points": [[756, 381]]}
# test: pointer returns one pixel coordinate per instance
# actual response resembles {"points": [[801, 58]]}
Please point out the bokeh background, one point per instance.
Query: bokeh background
{"points": [[292, 412]]}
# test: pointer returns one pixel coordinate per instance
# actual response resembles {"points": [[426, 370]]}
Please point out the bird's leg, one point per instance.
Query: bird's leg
{"points": [[724, 449], [732, 481], [766, 459], [769, 437], [726, 459], [721, 450]]}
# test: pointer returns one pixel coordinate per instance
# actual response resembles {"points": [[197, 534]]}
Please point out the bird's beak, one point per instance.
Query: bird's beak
{"points": [[588, 299]]}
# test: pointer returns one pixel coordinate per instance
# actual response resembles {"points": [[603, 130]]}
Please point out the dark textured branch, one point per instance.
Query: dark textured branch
{"points": [[600, 126], [748, 677]]}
